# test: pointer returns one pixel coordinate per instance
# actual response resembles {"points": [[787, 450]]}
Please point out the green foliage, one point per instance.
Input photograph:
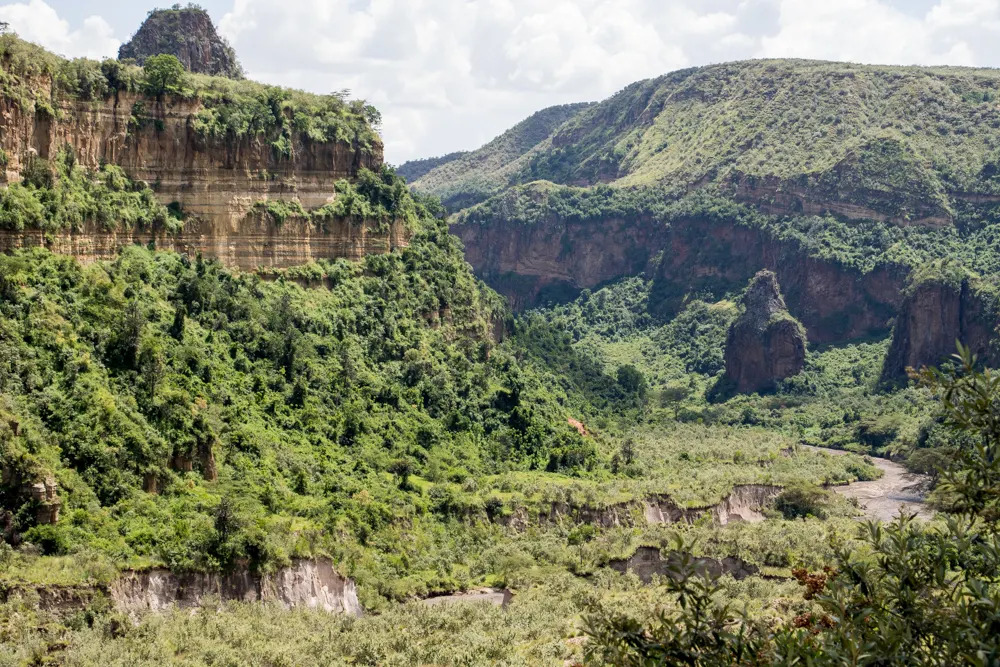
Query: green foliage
{"points": [[231, 109], [464, 179], [917, 594], [801, 501], [757, 123], [63, 195], [164, 75]]}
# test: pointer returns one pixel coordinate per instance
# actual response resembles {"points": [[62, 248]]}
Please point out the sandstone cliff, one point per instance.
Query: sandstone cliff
{"points": [[189, 34], [251, 243], [941, 306], [766, 344], [215, 180], [533, 263]]}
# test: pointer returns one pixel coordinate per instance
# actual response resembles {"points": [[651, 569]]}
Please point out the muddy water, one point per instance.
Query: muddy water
{"points": [[883, 498]]}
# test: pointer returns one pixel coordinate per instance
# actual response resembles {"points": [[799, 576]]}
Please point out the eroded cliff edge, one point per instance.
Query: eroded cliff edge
{"points": [[199, 158]]}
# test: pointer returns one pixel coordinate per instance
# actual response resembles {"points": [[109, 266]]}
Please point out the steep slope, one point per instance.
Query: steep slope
{"points": [[843, 179], [469, 178], [219, 153], [943, 303], [415, 169], [189, 34]]}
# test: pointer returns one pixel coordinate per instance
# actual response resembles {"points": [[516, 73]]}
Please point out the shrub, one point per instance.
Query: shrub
{"points": [[801, 501]]}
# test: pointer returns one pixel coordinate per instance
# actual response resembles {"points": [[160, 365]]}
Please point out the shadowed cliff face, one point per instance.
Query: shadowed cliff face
{"points": [[765, 345], [935, 314], [531, 264]]}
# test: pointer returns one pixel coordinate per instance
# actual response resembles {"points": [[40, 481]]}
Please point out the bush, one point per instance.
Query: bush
{"points": [[800, 501]]}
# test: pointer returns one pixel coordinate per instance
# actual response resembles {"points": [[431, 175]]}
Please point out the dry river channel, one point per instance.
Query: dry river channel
{"points": [[882, 498]]}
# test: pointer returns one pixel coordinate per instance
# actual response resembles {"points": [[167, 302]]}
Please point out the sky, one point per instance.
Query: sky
{"points": [[452, 74]]}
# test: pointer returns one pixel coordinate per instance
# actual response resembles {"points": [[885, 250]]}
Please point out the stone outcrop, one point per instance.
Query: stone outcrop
{"points": [[648, 562], [314, 584], [939, 310], [552, 260], [498, 597], [36, 489], [746, 502], [189, 34], [765, 344]]}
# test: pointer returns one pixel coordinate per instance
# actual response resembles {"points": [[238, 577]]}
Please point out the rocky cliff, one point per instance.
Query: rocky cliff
{"points": [[531, 264], [254, 242], [312, 584], [214, 180], [189, 34], [555, 258], [942, 305], [765, 345]]}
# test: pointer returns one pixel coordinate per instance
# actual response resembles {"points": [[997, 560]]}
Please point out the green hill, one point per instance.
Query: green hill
{"points": [[900, 143], [463, 179]]}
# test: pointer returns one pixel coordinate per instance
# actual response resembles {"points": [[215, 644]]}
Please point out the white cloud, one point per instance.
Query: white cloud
{"points": [[451, 74], [38, 22]]}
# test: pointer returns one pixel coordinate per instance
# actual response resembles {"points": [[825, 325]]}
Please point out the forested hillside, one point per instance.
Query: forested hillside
{"points": [[267, 408], [908, 144]]}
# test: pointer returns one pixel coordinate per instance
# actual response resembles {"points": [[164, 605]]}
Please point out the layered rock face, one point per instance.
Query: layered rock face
{"points": [[531, 264], [216, 182], [306, 583], [936, 313], [253, 243], [187, 33], [766, 344]]}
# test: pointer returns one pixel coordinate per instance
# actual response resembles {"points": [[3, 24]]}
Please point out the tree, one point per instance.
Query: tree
{"points": [[164, 75], [631, 380], [401, 470]]}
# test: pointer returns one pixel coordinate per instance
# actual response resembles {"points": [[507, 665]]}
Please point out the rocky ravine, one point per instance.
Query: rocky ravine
{"points": [[531, 264]]}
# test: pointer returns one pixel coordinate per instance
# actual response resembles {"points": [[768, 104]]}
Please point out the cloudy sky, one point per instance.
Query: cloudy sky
{"points": [[451, 74]]}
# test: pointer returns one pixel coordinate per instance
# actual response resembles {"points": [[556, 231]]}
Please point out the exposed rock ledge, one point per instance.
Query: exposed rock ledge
{"points": [[253, 243], [306, 583], [766, 344], [745, 502]]}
